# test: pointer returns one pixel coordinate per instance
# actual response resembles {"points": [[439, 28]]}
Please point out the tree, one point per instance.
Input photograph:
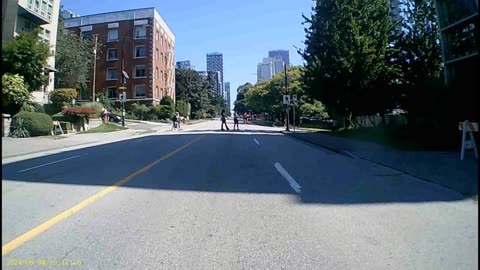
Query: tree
{"points": [[181, 106], [315, 108], [239, 104], [197, 91], [345, 53], [73, 59], [63, 95], [167, 100], [14, 93], [26, 56], [266, 96], [419, 56]]}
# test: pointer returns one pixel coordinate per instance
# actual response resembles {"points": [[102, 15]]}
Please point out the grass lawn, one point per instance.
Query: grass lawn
{"points": [[105, 128], [379, 135]]}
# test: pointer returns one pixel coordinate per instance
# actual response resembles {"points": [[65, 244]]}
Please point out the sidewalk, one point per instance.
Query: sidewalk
{"points": [[443, 168]]}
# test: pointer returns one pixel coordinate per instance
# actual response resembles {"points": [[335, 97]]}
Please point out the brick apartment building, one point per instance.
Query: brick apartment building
{"points": [[141, 42]]}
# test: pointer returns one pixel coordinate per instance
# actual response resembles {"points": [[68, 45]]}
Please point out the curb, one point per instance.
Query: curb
{"points": [[350, 155], [41, 153], [338, 151]]}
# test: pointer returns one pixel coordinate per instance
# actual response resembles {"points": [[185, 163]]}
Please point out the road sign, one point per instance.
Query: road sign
{"points": [[122, 97], [122, 88], [294, 97], [467, 128], [286, 99], [471, 126]]}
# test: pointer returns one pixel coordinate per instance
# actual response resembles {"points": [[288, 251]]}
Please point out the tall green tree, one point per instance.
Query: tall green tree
{"points": [[239, 104], [419, 56], [266, 96], [346, 48], [197, 91], [74, 58], [26, 55]]}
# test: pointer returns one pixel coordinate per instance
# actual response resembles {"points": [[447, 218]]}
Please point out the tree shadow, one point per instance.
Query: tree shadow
{"points": [[231, 163]]}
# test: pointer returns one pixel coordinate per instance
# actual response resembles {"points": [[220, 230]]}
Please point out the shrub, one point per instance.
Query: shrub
{"points": [[20, 131], [14, 93], [65, 118], [95, 105], [152, 113], [165, 111], [182, 107], [51, 108], [37, 124], [80, 112], [139, 111], [38, 108], [167, 101], [27, 108], [60, 95]]}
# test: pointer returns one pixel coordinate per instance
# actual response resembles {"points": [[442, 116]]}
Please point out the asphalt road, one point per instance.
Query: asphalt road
{"points": [[205, 199]]}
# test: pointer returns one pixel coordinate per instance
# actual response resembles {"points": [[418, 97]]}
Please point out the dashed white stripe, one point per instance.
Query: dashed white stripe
{"points": [[295, 186], [50, 163], [256, 141]]}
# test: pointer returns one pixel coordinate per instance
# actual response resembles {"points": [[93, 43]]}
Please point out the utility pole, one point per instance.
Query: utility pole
{"points": [[95, 37], [288, 105]]}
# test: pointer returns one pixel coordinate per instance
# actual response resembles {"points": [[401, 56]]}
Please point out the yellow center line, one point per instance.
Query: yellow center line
{"points": [[7, 248]]}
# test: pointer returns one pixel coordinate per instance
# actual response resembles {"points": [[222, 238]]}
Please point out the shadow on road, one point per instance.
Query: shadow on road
{"points": [[230, 163]]}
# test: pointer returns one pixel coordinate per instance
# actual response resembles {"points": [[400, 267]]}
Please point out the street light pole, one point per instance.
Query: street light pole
{"points": [[286, 90], [94, 66]]}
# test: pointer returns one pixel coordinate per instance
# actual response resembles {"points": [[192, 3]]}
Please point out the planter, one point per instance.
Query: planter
{"points": [[94, 122]]}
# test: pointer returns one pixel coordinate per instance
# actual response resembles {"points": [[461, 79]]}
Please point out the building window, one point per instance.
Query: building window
{"points": [[139, 90], [49, 11], [112, 92], [140, 32], [161, 42], [140, 71], [157, 54], [157, 35], [112, 35], [112, 73], [157, 74], [112, 54], [157, 92], [161, 75], [47, 34], [140, 51], [166, 59], [44, 8], [87, 35], [161, 57], [165, 76]]}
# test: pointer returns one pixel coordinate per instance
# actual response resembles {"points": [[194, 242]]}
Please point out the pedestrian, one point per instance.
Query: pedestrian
{"points": [[105, 114], [174, 121], [179, 118], [224, 120], [245, 117], [235, 121]]}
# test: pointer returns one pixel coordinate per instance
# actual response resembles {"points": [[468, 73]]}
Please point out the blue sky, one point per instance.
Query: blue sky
{"points": [[244, 31]]}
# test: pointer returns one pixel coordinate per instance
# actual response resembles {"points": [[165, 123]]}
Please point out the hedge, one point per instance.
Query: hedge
{"points": [[80, 111], [63, 95], [37, 124]]}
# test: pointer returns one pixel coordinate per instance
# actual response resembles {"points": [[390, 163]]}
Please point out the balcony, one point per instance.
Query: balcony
{"points": [[33, 16]]}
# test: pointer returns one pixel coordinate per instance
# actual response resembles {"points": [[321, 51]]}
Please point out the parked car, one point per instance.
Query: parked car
{"points": [[112, 117]]}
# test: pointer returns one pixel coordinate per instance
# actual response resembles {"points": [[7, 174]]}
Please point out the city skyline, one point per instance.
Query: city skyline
{"points": [[214, 62], [242, 42]]}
